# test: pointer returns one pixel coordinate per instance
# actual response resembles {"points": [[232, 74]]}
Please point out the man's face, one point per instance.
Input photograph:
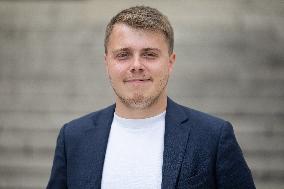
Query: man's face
{"points": [[138, 64]]}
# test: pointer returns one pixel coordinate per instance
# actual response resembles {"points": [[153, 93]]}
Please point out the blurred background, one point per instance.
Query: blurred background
{"points": [[230, 63]]}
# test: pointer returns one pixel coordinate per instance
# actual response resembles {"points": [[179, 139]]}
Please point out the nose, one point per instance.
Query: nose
{"points": [[137, 65]]}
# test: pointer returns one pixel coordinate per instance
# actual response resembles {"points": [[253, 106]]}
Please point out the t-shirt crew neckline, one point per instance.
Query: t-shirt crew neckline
{"points": [[145, 123]]}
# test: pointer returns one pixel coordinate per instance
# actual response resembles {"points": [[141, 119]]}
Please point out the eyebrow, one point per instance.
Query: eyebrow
{"points": [[128, 49], [152, 49], [119, 50]]}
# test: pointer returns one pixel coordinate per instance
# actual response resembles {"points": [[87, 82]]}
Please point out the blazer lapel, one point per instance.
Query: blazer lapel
{"points": [[97, 137], [175, 141]]}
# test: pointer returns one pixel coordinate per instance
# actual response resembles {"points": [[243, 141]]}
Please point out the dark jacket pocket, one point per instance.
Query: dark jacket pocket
{"points": [[197, 180]]}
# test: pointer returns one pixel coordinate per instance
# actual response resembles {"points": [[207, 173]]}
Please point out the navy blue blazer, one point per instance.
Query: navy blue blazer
{"points": [[200, 152]]}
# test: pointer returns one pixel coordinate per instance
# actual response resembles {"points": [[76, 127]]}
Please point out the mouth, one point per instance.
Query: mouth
{"points": [[137, 80]]}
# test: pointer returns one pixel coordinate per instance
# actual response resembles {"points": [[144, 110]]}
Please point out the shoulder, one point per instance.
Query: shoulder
{"points": [[88, 121], [197, 117], [201, 123], [208, 134], [203, 119]]}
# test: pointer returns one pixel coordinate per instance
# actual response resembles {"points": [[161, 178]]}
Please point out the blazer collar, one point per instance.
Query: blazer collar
{"points": [[175, 141], [97, 137]]}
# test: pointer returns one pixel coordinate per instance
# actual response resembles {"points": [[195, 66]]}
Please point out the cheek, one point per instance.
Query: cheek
{"points": [[116, 71], [163, 76], [161, 71]]}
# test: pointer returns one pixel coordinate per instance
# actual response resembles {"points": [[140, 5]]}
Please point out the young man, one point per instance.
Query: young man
{"points": [[145, 140]]}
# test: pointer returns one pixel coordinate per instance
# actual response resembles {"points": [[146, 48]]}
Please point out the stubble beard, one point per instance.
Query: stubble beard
{"points": [[139, 100]]}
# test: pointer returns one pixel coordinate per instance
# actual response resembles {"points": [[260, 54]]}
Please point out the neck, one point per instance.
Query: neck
{"points": [[139, 113]]}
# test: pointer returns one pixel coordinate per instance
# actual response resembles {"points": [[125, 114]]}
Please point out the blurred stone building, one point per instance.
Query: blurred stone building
{"points": [[230, 63]]}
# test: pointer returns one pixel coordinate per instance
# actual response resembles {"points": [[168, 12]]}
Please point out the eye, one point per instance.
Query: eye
{"points": [[122, 55], [150, 55]]}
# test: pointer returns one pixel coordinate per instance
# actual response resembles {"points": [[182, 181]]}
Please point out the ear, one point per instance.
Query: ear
{"points": [[172, 61], [106, 63], [105, 59]]}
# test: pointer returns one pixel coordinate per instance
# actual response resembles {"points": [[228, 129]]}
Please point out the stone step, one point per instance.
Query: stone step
{"points": [[52, 13], [33, 140], [50, 122], [31, 118], [23, 180], [213, 87], [256, 126], [36, 169], [84, 103], [261, 144], [45, 137], [190, 84], [42, 62], [269, 185], [233, 105], [36, 121], [229, 63], [266, 167], [24, 170]]}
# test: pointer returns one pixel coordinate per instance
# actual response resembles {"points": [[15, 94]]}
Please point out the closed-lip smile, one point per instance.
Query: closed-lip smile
{"points": [[136, 80]]}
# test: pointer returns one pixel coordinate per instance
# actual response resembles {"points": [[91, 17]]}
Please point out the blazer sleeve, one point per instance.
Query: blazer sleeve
{"points": [[58, 179], [231, 168]]}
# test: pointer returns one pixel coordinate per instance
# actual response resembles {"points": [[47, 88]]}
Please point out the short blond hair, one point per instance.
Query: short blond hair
{"points": [[144, 18]]}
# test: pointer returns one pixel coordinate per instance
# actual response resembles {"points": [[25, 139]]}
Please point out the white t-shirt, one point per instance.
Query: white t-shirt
{"points": [[134, 155]]}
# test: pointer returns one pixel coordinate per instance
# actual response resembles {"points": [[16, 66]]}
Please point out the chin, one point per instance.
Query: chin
{"points": [[138, 101]]}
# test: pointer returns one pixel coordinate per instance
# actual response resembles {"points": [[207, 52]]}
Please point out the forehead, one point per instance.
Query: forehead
{"points": [[123, 36]]}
